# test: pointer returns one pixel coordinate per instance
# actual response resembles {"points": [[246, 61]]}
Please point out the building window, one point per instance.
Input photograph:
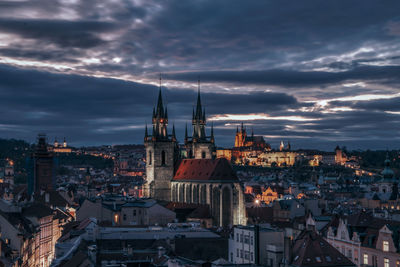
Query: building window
{"points": [[150, 157], [349, 254], [203, 154], [241, 238], [386, 262], [251, 240], [134, 212], [247, 255], [163, 157], [241, 254], [246, 239], [385, 245], [343, 235], [231, 257], [237, 237], [237, 252], [124, 217], [374, 260], [251, 256]]}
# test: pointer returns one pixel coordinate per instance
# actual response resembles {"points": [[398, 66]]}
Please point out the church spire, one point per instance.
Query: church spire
{"points": [[186, 133], [173, 132], [212, 133], [146, 133], [160, 107], [198, 115]]}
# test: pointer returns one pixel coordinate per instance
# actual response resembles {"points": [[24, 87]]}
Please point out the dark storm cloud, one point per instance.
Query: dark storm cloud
{"points": [[238, 48], [64, 33], [74, 105], [288, 78]]}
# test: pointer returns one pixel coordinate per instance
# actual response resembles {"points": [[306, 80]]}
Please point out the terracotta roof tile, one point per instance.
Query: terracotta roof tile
{"points": [[205, 170]]}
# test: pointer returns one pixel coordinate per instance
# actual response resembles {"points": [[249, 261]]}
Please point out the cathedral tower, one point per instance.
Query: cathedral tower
{"points": [[200, 146], [161, 154]]}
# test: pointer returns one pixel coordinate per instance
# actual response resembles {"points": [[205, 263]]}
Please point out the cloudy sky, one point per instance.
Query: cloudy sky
{"points": [[315, 73]]}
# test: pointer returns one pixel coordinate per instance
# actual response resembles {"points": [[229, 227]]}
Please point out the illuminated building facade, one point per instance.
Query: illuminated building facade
{"points": [[61, 148]]}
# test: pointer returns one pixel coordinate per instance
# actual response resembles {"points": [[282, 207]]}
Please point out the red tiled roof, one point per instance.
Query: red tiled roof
{"points": [[205, 170]]}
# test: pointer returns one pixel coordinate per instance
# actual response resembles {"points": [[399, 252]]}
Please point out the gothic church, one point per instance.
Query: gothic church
{"points": [[197, 178]]}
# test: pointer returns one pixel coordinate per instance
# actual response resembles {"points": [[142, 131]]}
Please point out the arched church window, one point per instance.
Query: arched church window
{"points": [[163, 157], [150, 157]]}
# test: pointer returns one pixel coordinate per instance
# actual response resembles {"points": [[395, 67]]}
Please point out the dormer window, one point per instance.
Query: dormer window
{"points": [[385, 246]]}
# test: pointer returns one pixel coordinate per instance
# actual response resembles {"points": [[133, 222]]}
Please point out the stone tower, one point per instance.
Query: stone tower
{"points": [[161, 155], [240, 138], [200, 146]]}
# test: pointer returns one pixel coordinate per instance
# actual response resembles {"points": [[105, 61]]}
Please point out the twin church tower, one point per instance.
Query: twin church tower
{"points": [[163, 152]]}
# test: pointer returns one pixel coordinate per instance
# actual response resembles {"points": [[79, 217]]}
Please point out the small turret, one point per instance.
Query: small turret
{"points": [[212, 133], [387, 171], [146, 134], [282, 146], [173, 133], [186, 133]]}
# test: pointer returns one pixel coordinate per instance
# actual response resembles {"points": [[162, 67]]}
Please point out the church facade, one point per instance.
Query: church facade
{"points": [[199, 178]]}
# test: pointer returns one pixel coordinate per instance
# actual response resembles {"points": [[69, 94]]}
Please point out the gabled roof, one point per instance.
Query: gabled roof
{"points": [[37, 210], [310, 249], [205, 170]]}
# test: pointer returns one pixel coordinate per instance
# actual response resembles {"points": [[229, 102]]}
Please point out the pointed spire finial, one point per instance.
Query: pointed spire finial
{"points": [[198, 114], [173, 131], [212, 132], [186, 132], [146, 134]]}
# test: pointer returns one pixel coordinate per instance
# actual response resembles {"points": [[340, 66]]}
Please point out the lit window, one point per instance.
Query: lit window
{"points": [[365, 259], [385, 245], [386, 262]]}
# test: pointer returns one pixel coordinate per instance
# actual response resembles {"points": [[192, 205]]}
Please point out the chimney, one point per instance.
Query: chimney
{"points": [[130, 250], [47, 197], [287, 249]]}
